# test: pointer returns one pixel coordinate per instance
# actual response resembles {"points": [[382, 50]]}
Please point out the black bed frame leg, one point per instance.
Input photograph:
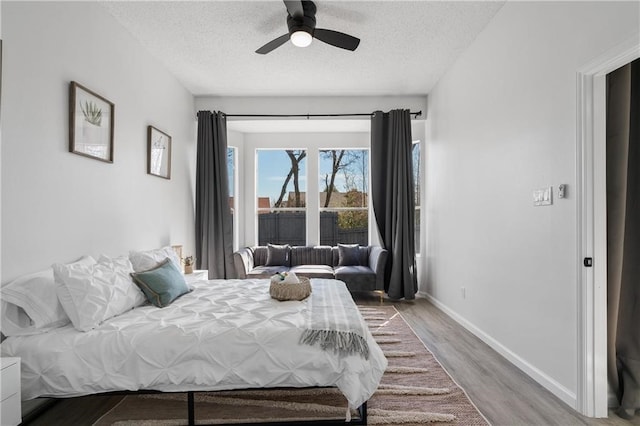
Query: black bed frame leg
{"points": [[190, 407], [363, 413]]}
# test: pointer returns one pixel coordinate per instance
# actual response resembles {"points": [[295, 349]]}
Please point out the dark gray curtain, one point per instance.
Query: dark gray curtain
{"points": [[393, 198], [623, 234], [214, 228]]}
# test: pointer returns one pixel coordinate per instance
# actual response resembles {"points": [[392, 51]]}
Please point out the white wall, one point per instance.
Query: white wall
{"points": [[1, 85], [501, 123], [57, 206]]}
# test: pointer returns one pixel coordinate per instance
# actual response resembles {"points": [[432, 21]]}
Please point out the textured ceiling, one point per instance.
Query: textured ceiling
{"points": [[209, 45]]}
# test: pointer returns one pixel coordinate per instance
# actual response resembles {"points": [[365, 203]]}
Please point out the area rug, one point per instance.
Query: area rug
{"points": [[415, 390]]}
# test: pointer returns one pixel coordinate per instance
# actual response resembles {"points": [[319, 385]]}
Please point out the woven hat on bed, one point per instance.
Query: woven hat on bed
{"points": [[284, 289]]}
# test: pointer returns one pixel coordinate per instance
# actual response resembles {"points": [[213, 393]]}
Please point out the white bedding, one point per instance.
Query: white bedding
{"points": [[225, 334]]}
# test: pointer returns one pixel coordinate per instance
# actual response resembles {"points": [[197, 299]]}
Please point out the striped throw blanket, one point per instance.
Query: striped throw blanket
{"points": [[334, 323]]}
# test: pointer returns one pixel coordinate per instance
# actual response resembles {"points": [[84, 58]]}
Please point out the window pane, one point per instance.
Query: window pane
{"points": [[345, 227], [231, 173], [282, 227], [416, 188], [416, 171], [231, 177], [344, 196], [281, 196]]}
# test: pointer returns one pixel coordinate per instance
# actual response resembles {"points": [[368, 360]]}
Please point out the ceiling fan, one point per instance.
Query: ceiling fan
{"points": [[301, 20]]}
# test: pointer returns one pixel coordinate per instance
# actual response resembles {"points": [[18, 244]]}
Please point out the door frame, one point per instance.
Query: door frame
{"points": [[591, 208]]}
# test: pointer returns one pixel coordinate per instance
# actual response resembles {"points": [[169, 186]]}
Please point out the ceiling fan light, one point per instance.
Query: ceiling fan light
{"points": [[301, 38]]}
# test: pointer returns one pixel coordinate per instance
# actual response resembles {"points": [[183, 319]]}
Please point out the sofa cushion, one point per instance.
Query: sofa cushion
{"points": [[357, 278], [348, 254], [319, 262], [313, 271], [266, 271], [318, 255], [259, 255], [363, 256], [278, 255]]}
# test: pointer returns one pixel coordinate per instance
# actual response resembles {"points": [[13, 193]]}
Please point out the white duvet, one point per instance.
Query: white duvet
{"points": [[225, 334]]}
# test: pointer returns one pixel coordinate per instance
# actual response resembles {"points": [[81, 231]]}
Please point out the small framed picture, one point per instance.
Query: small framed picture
{"points": [[90, 124], [158, 153]]}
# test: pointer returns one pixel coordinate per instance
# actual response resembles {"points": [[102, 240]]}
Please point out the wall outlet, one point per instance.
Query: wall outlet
{"points": [[542, 197]]}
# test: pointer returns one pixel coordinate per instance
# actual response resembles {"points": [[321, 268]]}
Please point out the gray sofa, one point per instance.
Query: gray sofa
{"points": [[361, 270]]}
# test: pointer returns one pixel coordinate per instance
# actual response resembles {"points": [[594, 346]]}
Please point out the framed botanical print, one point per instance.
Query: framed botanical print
{"points": [[90, 124], [158, 153]]}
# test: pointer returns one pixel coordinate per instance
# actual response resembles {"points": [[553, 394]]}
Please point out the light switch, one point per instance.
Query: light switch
{"points": [[542, 197], [562, 191]]}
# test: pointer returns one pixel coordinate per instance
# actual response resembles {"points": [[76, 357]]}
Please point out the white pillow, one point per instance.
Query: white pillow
{"points": [[91, 294], [146, 260], [30, 304]]}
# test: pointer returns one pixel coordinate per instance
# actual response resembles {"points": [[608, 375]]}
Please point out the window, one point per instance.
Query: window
{"points": [[344, 196], [415, 153], [281, 196], [231, 175]]}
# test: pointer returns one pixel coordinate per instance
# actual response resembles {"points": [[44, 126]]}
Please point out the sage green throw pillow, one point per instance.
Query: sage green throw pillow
{"points": [[162, 284]]}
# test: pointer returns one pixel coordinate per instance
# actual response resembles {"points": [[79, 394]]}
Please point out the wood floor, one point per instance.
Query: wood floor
{"points": [[505, 395]]}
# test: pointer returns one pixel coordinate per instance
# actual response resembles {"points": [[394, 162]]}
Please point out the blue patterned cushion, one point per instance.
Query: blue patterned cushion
{"points": [[162, 284]]}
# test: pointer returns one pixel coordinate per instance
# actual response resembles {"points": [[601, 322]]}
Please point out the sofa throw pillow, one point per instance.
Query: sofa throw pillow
{"points": [[278, 255], [348, 255], [162, 284], [91, 294]]}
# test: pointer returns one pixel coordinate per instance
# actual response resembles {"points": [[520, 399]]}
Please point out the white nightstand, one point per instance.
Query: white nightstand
{"points": [[197, 275], [10, 406]]}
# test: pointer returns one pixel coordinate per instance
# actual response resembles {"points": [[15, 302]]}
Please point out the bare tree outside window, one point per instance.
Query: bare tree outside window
{"points": [[295, 157], [281, 196], [344, 216], [338, 163]]}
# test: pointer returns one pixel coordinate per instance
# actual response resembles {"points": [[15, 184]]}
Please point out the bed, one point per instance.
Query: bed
{"points": [[222, 335]]}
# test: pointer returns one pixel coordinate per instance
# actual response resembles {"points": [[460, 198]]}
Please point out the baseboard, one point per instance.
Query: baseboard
{"points": [[543, 379]]}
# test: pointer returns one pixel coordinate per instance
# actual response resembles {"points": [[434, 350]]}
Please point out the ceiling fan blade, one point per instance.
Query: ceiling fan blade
{"points": [[295, 9], [273, 44], [337, 39]]}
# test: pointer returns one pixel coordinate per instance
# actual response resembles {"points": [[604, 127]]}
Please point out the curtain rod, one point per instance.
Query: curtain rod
{"points": [[308, 116]]}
